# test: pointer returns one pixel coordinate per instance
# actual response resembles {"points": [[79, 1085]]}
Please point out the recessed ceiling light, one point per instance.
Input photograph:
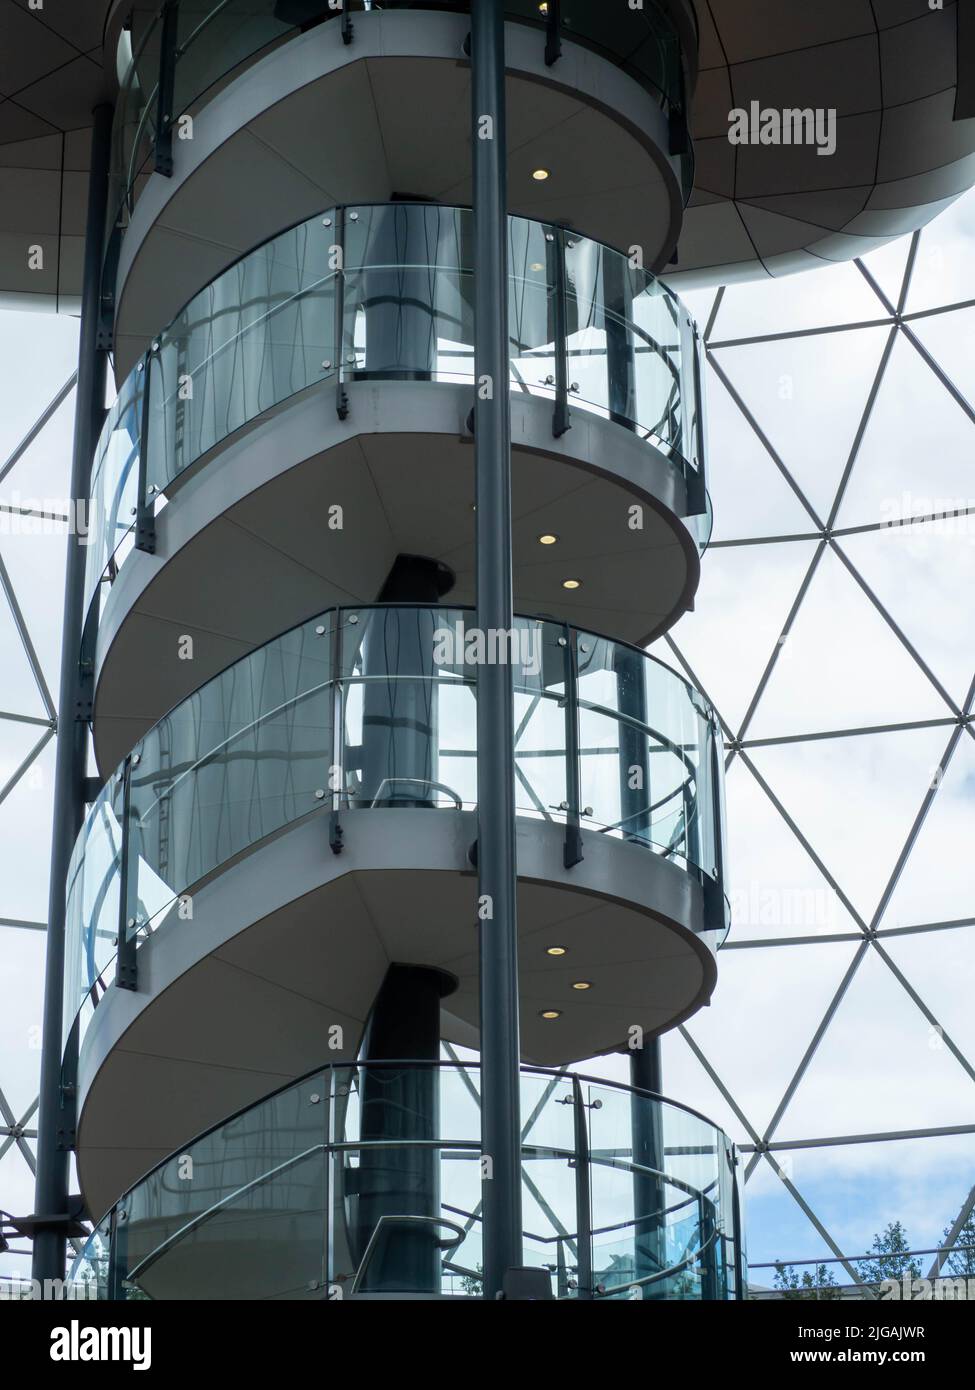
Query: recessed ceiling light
{"points": [[550, 1014], [582, 984], [543, 7], [540, 175], [571, 583], [547, 539], [555, 950]]}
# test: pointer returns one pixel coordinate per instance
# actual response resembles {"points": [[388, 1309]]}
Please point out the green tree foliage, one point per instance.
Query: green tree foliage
{"points": [[890, 1259], [815, 1284]]}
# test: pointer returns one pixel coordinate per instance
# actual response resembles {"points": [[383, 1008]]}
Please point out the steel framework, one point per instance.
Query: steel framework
{"points": [[868, 933]]}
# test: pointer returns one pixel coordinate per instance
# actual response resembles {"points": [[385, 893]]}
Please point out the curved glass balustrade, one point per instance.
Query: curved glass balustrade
{"points": [[386, 291], [206, 42], [366, 1180], [375, 707]]}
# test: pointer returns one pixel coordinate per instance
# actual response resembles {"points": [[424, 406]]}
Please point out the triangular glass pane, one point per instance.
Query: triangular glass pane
{"points": [[748, 492], [788, 990], [40, 479], [17, 1186], [855, 800], [699, 304], [785, 383], [817, 299], [25, 837], [944, 272], [776, 890], [778, 1230], [51, 339], [917, 446], [858, 1190], [918, 571], [20, 1034], [934, 963], [744, 599], [949, 338], [20, 694], [685, 1078], [874, 1071], [841, 666], [887, 266], [35, 563]]}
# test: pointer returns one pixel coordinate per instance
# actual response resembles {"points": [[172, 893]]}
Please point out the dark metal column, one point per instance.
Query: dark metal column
{"points": [[500, 1050], [51, 1197], [399, 1105], [649, 1193]]}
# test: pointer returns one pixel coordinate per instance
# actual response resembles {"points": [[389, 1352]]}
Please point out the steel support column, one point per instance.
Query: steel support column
{"points": [[498, 946], [51, 1198]]}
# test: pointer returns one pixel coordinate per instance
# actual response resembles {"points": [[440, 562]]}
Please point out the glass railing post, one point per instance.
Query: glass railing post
{"points": [[714, 871], [553, 32], [620, 341], [126, 971], [341, 396], [634, 754], [348, 28], [68, 1116], [166, 88], [145, 510], [336, 772], [573, 761], [583, 1194], [709, 1250], [558, 279]]}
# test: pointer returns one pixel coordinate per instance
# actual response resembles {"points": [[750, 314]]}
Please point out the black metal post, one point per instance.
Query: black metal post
{"points": [[584, 1277], [572, 847], [496, 858], [168, 40], [51, 1197], [400, 1105], [649, 1192]]}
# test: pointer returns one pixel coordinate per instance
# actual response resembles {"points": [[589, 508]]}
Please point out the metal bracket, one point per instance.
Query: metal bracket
{"points": [[348, 29], [553, 32], [126, 968], [145, 512], [561, 419], [84, 704], [336, 834], [92, 790]]}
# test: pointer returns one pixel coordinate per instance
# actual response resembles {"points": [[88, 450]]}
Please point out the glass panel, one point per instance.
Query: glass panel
{"points": [[366, 1180], [647, 754], [409, 292], [239, 1214], [115, 483], [258, 334], [216, 37], [88, 1277], [248, 753], [92, 912], [134, 127]]}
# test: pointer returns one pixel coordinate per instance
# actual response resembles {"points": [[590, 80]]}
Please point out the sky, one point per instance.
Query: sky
{"points": [[883, 1064]]}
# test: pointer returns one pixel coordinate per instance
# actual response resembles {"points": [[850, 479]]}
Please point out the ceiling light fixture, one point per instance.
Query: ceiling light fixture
{"points": [[571, 583], [540, 175], [550, 1014]]}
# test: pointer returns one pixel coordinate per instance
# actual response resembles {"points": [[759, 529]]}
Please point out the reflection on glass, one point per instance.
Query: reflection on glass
{"points": [[290, 1198], [376, 707], [285, 318]]}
